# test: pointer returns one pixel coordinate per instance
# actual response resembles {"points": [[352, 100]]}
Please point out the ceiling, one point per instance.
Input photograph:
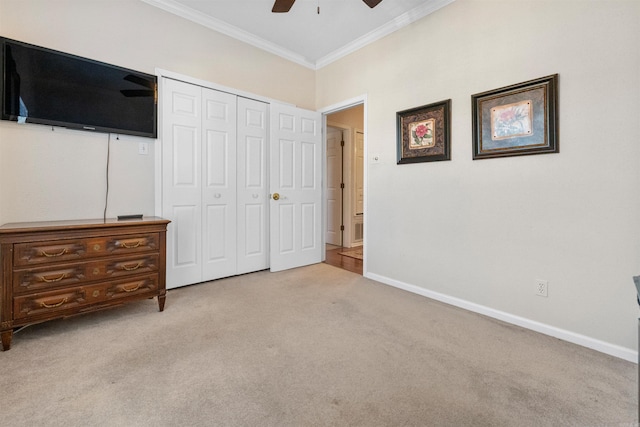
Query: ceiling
{"points": [[302, 35]]}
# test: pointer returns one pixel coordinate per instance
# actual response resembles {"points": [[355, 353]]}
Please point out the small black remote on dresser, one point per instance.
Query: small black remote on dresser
{"points": [[125, 217]]}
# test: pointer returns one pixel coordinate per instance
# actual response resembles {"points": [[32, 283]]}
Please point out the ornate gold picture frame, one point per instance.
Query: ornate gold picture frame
{"points": [[424, 133], [516, 120]]}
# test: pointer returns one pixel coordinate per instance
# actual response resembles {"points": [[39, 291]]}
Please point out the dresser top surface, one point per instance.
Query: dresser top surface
{"points": [[19, 227]]}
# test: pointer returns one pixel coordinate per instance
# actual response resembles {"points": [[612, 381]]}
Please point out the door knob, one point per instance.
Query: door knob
{"points": [[275, 196]]}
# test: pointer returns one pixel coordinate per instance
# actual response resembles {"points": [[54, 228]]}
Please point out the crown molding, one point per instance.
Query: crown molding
{"points": [[229, 30], [403, 20]]}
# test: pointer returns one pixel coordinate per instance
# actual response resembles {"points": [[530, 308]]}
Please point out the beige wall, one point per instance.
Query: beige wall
{"points": [[482, 231], [60, 174]]}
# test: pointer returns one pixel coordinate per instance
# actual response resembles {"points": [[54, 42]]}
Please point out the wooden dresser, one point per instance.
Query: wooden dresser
{"points": [[58, 269]]}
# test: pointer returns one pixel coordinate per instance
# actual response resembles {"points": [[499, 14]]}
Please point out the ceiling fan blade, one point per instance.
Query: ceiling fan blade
{"points": [[138, 80], [372, 3], [134, 93], [282, 6]]}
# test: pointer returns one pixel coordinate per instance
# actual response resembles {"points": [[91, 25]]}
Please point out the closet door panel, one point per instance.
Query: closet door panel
{"points": [[252, 187], [181, 181], [217, 169], [254, 243], [216, 240], [185, 247], [219, 190]]}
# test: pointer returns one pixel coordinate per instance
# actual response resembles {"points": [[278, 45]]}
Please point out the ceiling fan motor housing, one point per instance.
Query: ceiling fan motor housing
{"points": [[283, 6]]}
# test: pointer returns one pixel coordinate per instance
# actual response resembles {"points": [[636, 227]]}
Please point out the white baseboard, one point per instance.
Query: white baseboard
{"points": [[572, 337]]}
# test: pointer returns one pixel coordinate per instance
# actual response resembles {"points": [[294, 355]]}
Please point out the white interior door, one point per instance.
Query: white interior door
{"points": [[181, 181], [252, 186], [296, 187], [334, 186], [219, 248]]}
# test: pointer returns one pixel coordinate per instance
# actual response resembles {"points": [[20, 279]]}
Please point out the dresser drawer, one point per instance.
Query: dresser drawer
{"points": [[49, 303], [77, 249], [53, 251], [38, 279], [131, 244], [45, 303], [126, 289], [49, 277], [118, 267]]}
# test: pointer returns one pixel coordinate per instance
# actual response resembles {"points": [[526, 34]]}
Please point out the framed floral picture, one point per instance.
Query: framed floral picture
{"points": [[424, 133], [516, 120]]}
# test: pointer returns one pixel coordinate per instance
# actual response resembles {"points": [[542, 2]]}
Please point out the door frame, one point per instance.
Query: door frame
{"points": [[325, 111], [334, 108]]}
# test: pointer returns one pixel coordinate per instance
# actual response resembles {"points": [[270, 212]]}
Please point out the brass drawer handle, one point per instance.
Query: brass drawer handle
{"points": [[57, 279], [135, 267], [135, 288], [45, 305], [48, 255], [138, 243]]}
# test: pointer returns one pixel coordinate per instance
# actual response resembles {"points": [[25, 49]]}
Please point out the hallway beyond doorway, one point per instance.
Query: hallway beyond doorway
{"points": [[342, 261]]}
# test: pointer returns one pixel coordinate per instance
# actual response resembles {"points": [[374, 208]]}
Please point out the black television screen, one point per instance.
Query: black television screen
{"points": [[48, 87]]}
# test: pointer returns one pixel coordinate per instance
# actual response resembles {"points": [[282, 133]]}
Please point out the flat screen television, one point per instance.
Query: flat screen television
{"points": [[49, 87]]}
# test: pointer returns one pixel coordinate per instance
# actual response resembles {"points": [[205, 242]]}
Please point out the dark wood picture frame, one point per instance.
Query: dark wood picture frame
{"points": [[516, 120], [424, 133]]}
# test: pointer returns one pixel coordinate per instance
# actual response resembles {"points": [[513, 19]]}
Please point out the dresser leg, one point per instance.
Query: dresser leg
{"points": [[6, 339], [161, 299]]}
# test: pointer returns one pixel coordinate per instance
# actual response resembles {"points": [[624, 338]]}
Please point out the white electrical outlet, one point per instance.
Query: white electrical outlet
{"points": [[541, 288]]}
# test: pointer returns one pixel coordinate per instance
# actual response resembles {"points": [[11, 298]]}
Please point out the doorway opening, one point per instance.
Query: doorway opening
{"points": [[344, 195]]}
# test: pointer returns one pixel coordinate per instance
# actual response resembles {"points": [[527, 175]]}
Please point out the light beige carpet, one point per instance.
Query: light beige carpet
{"points": [[314, 346]]}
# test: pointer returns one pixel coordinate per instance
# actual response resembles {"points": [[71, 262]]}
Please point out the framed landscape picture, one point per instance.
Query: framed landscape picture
{"points": [[516, 120], [424, 133]]}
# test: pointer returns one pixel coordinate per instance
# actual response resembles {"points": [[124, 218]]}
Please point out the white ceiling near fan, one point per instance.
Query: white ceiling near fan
{"points": [[302, 35]]}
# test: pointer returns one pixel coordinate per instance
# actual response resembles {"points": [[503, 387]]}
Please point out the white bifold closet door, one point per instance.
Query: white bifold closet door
{"points": [[214, 183], [252, 186]]}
